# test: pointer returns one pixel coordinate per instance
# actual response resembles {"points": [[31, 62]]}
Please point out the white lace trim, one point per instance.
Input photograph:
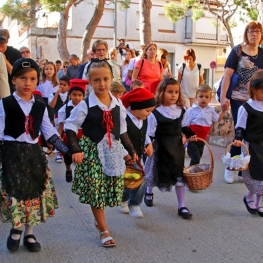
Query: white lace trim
{"points": [[111, 159]]}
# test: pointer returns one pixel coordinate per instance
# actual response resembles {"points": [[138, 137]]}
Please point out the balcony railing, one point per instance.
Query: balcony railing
{"points": [[206, 36]]}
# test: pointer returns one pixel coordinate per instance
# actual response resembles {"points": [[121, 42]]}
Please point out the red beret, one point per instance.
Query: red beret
{"points": [[78, 84], [138, 99], [37, 92]]}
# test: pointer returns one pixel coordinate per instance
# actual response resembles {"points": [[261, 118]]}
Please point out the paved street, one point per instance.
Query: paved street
{"points": [[221, 231]]}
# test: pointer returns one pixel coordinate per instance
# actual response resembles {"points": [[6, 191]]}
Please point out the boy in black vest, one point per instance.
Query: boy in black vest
{"points": [[76, 93], [139, 104], [57, 100]]}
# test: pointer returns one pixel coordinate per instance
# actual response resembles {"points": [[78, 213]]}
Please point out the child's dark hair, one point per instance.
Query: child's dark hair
{"points": [[204, 88], [98, 63], [161, 89], [116, 87], [65, 78], [256, 83], [136, 82], [54, 78]]}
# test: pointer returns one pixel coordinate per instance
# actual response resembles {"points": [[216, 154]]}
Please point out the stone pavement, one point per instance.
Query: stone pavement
{"points": [[221, 231]]}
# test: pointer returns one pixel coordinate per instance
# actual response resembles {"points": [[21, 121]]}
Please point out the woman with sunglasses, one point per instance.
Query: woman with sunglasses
{"points": [[245, 60], [162, 56], [63, 71], [25, 52]]}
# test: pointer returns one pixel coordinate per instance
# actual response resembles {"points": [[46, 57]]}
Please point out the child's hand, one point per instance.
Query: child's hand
{"points": [[77, 157], [134, 158], [237, 143], [59, 91], [148, 150], [192, 138], [127, 159]]}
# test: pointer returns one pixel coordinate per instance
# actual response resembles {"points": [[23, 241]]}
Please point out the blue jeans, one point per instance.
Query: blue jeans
{"points": [[128, 88], [195, 151], [135, 196]]}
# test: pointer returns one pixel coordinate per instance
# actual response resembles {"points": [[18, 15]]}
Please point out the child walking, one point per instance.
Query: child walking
{"points": [[165, 168], [77, 91], [249, 128], [27, 191], [56, 101], [116, 89], [139, 104], [98, 175], [47, 87], [199, 119]]}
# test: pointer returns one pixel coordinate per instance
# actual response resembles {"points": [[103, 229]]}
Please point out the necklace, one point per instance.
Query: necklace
{"points": [[254, 57]]}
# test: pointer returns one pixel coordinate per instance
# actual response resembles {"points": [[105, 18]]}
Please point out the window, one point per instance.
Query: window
{"points": [[164, 25]]}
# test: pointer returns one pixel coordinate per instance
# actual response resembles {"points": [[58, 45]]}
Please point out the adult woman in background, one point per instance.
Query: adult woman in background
{"points": [[4, 86], [116, 69], [190, 74], [63, 71], [124, 68], [244, 59], [148, 69], [162, 56]]}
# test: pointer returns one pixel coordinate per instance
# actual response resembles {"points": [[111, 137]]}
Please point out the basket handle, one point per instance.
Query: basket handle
{"points": [[210, 151], [227, 148]]}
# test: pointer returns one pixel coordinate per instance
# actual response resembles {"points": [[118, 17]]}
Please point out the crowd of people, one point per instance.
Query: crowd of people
{"points": [[103, 117]]}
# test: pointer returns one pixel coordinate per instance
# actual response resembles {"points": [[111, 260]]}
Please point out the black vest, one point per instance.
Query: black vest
{"points": [[68, 110], [59, 103], [92, 126], [137, 136], [254, 127], [15, 117]]}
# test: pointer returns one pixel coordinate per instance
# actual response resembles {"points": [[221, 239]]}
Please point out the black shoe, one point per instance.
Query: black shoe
{"points": [[148, 202], [252, 211], [69, 176], [13, 244], [184, 215], [32, 247], [260, 213]]}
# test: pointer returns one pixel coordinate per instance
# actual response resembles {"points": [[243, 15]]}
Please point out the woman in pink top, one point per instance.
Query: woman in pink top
{"points": [[148, 69]]}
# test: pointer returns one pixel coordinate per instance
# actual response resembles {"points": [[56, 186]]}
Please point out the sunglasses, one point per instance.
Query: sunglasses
{"points": [[65, 66], [25, 52], [164, 57]]}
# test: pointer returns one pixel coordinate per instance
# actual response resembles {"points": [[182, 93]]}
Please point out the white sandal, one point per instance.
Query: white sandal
{"points": [[104, 240]]}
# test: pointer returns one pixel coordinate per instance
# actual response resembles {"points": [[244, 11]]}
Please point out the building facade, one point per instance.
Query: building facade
{"points": [[208, 41]]}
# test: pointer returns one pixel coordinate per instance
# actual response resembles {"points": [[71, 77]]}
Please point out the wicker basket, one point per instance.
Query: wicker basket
{"points": [[247, 151], [133, 183], [200, 176]]}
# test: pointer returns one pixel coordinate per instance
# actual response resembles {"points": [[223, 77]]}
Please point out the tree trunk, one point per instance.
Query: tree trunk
{"points": [[145, 21], [90, 28], [230, 36], [62, 35], [62, 30]]}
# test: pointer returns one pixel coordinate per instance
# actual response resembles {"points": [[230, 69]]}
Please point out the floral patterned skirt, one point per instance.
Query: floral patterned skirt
{"points": [[31, 212], [92, 185]]}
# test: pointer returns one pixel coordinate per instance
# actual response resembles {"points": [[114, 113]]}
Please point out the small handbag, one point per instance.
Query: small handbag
{"points": [[233, 82], [128, 81]]}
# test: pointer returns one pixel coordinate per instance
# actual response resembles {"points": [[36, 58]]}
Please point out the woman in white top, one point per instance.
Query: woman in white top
{"points": [[190, 74]]}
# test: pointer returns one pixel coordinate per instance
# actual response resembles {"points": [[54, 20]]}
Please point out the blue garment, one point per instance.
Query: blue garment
{"points": [[81, 70], [72, 71]]}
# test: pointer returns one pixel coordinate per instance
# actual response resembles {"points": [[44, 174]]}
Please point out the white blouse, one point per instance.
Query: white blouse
{"points": [[172, 112], [79, 113], [46, 127], [242, 113], [47, 89]]}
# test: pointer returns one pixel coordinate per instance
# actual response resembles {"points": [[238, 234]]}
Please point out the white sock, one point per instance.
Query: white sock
{"points": [[16, 236], [29, 231]]}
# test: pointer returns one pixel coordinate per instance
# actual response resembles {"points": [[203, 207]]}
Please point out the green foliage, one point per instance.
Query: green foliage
{"points": [[124, 4], [174, 12], [20, 10], [54, 5], [197, 14]]}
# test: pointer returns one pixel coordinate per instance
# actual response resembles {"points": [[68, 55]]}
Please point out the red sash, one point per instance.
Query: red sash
{"points": [[200, 131]]}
